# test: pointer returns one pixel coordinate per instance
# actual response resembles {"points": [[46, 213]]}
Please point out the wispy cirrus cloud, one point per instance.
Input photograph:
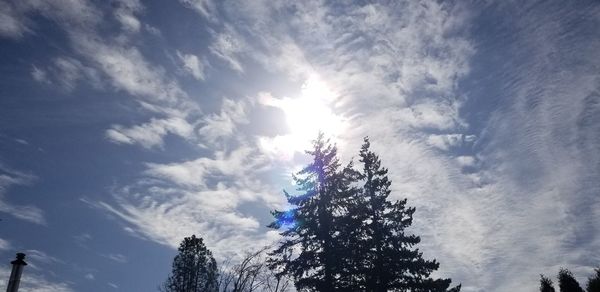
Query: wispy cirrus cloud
{"points": [[8, 178], [5, 244], [125, 13], [39, 75], [67, 72], [206, 8], [117, 257], [192, 65], [12, 24], [538, 157], [150, 134], [36, 283], [107, 59], [228, 46], [222, 126], [34, 280], [205, 196]]}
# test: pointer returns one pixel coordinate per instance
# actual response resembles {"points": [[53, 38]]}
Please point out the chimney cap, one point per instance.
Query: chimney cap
{"points": [[20, 259]]}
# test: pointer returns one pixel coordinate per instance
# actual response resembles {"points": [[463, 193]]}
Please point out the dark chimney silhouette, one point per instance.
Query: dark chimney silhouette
{"points": [[15, 274]]}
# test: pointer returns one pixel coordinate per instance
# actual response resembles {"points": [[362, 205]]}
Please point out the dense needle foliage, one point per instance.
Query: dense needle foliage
{"points": [[343, 234], [567, 283], [546, 284], [593, 284], [194, 268]]}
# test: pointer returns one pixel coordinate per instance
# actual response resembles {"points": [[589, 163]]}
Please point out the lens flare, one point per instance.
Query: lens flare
{"points": [[287, 219]]}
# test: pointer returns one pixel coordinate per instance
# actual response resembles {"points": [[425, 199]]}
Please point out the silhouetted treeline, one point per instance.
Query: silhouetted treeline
{"points": [[342, 233], [568, 283]]}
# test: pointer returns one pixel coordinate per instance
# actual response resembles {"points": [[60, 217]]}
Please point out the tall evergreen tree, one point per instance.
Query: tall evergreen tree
{"points": [[567, 283], [310, 249], [593, 284], [343, 234], [389, 259], [194, 268], [546, 284]]}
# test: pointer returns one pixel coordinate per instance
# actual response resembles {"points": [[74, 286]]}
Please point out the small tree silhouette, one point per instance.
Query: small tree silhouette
{"points": [[567, 283], [194, 268], [593, 284], [546, 284]]}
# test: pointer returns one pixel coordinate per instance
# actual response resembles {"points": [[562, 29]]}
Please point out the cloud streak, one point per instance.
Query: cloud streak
{"points": [[8, 178]]}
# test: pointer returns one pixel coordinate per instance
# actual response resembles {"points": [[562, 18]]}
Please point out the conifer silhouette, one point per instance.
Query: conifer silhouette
{"points": [[546, 284], [310, 249], [567, 283], [593, 284], [343, 234], [194, 268], [388, 257]]}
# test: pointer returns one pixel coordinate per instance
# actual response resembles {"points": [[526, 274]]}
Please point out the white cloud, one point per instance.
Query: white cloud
{"points": [[117, 257], [466, 161], [445, 142], [125, 14], [115, 61], [167, 215], [192, 65], [152, 30], [223, 125], [5, 244], [542, 170], [225, 167], [228, 45], [202, 197], [128, 70], [67, 72], [27, 213], [8, 178], [69, 14], [89, 276], [15, 16], [34, 282], [82, 238], [40, 257], [150, 134], [429, 114], [206, 8], [12, 24], [286, 56], [39, 75]]}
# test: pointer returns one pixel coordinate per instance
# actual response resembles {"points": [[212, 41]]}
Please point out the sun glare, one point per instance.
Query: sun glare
{"points": [[306, 115]]}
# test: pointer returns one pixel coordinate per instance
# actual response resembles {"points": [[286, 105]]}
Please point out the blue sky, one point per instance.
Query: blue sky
{"points": [[127, 125]]}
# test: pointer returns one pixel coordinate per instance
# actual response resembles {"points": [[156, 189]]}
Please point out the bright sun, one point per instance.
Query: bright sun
{"points": [[306, 115]]}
